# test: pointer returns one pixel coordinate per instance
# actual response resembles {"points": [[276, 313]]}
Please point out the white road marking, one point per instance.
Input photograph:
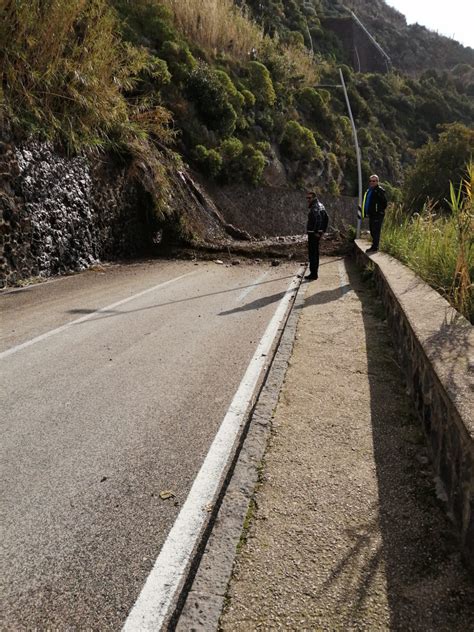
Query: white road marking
{"points": [[343, 279], [169, 571], [249, 289], [58, 330]]}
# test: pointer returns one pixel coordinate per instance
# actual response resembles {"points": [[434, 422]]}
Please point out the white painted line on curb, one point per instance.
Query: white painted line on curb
{"points": [[250, 288], [343, 279], [168, 573], [58, 330]]}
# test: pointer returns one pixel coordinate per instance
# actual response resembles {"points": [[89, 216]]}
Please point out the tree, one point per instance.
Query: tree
{"points": [[437, 163]]}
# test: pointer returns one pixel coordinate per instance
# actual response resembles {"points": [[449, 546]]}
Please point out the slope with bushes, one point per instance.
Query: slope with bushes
{"points": [[234, 88]]}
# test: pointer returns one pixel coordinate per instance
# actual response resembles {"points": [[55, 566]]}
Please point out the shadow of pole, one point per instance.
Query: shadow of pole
{"points": [[428, 588]]}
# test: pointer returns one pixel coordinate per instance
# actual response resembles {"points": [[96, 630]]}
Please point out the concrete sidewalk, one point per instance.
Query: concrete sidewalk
{"points": [[346, 532]]}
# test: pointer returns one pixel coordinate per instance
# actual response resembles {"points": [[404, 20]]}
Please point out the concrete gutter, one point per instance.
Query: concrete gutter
{"points": [[436, 348]]}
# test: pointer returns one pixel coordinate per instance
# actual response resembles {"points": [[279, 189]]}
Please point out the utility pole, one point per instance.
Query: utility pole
{"points": [[356, 145]]}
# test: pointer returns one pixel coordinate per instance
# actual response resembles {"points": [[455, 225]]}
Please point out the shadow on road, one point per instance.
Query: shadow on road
{"points": [[257, 304], [428, 587], [116, 312]]}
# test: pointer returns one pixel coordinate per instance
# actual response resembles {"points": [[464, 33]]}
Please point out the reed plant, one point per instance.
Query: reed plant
{"points": [[438, 247], [217, 26]]}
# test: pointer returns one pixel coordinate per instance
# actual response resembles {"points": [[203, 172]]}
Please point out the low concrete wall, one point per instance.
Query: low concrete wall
{"points": [[436, 348]]}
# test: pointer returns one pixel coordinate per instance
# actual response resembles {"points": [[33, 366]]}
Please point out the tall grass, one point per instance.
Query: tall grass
{"points": [[217, 26], [440, 249], [221, 27], [65, 70]]}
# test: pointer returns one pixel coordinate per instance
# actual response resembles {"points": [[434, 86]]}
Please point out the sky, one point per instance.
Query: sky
{"points": [[453, 19]]}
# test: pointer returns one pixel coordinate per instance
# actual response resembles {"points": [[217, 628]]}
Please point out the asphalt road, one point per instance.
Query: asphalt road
{"points": [[103, 411]]}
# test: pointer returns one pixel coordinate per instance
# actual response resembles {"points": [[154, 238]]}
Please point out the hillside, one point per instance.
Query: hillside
{"points": [[245, 97], [231, 90], [412, 48]]}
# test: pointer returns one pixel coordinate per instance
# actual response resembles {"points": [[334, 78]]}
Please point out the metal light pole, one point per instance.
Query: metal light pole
{"points": [[356, 144], [307, 6], [357, 148]]}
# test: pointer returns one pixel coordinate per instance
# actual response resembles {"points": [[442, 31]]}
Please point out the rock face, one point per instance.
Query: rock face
{"points": [[60, 214], [363, 51]]}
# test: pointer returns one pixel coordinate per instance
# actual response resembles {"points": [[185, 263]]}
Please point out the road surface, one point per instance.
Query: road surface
{"points": [[102, 411]]}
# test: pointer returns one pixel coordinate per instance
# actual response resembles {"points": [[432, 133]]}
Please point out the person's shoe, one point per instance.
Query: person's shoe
{"points": [[371, 249], [311, 277]]}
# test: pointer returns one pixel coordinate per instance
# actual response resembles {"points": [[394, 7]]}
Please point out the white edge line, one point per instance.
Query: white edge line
{"points": [[165, 579], [53, 332]]}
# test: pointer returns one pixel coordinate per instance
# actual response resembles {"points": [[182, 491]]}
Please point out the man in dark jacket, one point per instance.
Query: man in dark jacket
{"points": [[316, 227], [373, 206]]}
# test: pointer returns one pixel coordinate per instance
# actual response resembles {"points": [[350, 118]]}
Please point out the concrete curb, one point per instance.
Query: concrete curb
{"points": [[205, 599]]}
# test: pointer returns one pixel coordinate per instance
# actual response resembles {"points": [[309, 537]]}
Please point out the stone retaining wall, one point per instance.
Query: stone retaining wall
{"points": [[436, 348], [61, 214]]}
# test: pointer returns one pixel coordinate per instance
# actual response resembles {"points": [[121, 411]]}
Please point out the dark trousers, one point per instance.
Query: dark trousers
{"points": [[313, 253], [375, 227]]}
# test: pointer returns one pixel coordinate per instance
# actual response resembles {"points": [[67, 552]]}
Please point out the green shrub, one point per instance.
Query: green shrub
{"points": [[394, 194], [200, 153], [235, 97], [438, 248], [249, 98], [312, 104], [265, 147], [179, 58], [145, 19], [265, 119], [261, 85], [298, 143], [209, 160], [241, 163], [294, 38], [205, 89], [252, 164], [334, 188], [334, 169], [157, 73], [231, 148], [214, 162]]}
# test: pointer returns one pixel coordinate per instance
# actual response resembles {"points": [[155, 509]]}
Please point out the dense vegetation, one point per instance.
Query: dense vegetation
{"points": [[231, 86], [439, 247]]}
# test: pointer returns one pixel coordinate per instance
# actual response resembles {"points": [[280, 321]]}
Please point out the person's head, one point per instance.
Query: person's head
{"points": [[310, 197], [373, 181]]}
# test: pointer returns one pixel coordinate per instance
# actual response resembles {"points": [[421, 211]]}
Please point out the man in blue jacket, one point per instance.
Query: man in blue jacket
{"points": [[316, 227], [373, 206]]}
